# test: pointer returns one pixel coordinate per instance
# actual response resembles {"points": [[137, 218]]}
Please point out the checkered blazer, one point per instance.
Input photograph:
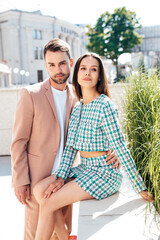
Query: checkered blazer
{"points": [[95, 127]]}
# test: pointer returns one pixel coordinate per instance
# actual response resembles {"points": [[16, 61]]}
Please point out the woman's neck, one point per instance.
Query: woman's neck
{"points": [[89, 95]]}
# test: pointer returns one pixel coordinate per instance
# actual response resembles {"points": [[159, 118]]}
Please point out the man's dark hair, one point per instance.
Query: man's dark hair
{"points": [[57, 44]]}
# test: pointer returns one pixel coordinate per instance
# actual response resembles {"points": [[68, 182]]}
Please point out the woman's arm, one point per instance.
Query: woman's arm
{"points": [[110, 127], [68, 157], [69, 153]]}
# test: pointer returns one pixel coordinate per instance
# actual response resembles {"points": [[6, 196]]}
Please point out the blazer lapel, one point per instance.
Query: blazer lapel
{"points": [[50, 99]]}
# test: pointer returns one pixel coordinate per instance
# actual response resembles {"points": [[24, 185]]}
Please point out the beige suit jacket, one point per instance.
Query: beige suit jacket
{"points": [[36, 133]]}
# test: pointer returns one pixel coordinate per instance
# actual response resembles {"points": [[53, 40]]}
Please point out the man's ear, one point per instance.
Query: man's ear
{"points": [[71, 62]]}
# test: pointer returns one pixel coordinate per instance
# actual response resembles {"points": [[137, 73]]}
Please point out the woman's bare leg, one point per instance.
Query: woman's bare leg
{"points": [[60, 228], [42, 186], [68, 194]]}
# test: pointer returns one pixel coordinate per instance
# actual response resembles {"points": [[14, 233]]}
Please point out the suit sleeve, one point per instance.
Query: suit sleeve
{"points": [[110, 127], [20, 137]]}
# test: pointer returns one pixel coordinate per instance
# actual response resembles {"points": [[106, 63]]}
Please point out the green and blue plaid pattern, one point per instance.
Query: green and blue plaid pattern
{"points": [[95, 127], [96, 177]]}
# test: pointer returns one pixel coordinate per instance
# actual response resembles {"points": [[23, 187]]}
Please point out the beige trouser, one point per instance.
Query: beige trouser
{"points": [[31, 219]]}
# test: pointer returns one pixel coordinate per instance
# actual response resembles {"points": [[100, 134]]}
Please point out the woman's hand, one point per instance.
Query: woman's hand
{"points": [[147, 196], [53, 187]]}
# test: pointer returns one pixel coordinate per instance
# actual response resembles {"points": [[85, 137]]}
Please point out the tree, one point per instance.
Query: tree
{"points": [[114, 34]]}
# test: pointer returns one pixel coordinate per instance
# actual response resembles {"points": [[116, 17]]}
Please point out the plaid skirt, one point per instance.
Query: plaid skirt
{"points": [[96, 177]]}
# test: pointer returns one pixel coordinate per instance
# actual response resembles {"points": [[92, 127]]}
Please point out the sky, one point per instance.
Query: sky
{"points": [[87, 11]]}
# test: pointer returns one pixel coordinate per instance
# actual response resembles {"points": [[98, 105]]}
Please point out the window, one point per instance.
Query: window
{"points": [[37, 34], [40, 52], [34, 34], [40, 75], [35, 52]]}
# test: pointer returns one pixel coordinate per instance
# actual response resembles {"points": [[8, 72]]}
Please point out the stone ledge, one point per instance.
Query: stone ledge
{"points": [[120, 216]]}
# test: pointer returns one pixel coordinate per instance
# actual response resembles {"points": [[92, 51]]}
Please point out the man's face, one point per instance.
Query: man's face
{"points": [[58, 66]]}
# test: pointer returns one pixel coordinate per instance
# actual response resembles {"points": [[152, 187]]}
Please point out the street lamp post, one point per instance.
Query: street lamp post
{"points": [[22, 72], [27, 75], [16, 71]]}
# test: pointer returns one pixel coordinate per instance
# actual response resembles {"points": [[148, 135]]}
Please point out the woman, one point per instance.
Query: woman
{"points": [[93, 129]]}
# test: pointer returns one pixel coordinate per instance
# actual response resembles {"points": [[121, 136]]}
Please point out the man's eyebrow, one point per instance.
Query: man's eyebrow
{"points": [[63, 61]]}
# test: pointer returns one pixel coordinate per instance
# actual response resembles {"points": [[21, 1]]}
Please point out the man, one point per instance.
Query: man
{"points": [[39, 135]]}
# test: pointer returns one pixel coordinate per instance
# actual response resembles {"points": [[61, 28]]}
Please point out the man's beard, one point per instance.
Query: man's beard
{"points": [[60, 80]]}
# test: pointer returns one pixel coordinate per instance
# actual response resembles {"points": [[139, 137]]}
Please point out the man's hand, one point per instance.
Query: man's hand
{"points": [[22, 193], [112, 159], [53, 187]]}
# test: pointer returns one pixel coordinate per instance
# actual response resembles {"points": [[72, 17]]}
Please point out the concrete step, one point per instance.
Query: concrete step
{"points": [[120, 216]]}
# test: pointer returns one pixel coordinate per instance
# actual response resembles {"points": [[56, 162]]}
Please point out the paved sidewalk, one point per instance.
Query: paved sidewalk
{"points": [[11, 211], [95, 220]]}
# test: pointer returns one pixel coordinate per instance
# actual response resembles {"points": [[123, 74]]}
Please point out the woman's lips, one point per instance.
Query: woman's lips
{"points": [[87, 79]]}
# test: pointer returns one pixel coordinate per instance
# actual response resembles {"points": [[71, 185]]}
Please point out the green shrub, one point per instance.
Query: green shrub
{"points": [[142, 128]]}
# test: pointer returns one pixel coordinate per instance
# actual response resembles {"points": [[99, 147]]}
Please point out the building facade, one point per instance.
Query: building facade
{"points": [[150, 46], [5, 74], [23, 36]]}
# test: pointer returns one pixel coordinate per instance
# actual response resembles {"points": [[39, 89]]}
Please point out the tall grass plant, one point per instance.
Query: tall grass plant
{"points": [[142, 128]]}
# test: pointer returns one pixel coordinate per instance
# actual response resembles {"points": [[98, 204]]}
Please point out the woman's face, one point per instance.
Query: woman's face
{"points": [[88, 73]]}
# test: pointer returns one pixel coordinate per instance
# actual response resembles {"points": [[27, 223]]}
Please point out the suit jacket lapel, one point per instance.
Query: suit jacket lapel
{"points": [[50, 99]]}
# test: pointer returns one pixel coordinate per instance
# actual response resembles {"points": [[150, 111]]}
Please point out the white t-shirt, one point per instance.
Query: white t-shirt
{"points": [[60, 99]]}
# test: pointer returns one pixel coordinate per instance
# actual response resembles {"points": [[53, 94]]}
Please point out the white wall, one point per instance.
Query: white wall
{"points": [[8, 101]]}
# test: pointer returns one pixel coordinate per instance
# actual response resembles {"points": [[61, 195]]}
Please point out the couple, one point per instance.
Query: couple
{"points": [[38, 141]]}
